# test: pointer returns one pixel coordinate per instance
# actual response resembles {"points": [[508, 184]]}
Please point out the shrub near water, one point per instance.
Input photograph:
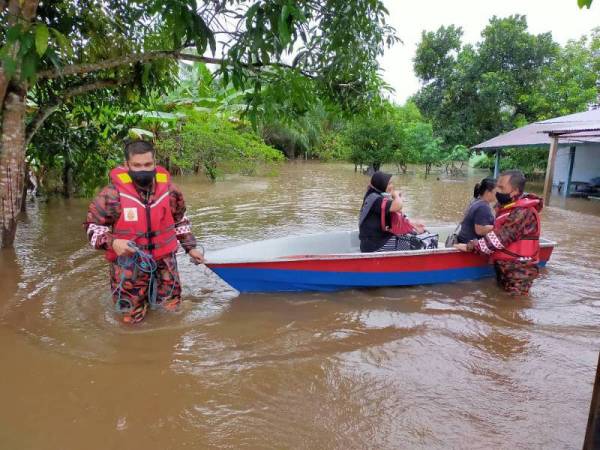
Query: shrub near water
{"points": [[532, 162], [332, 147], [214, 145]]}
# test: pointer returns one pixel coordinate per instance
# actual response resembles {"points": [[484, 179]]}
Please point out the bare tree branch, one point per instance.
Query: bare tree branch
{"points": [[43, 113], [78, 69]]}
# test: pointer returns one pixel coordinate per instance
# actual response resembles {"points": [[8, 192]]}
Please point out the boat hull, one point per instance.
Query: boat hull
{"points": [[337, 272]]}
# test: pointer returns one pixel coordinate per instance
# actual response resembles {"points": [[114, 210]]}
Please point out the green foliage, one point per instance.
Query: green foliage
{"points": [[60, 157], [336, 43], [568, 85], [303, 133], [207, 143], [458, 155], [287, 96], [23, 46], [420, 139], [531, 161], [289, 138], [436, 53], [332, 147], [405, 118], [334, 46], [510, 78], [387, 134], [372, 139], [140, 133]]}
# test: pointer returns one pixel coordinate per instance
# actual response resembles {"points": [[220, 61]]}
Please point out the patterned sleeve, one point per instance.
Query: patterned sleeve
{"points": [[520, 222], [183, 226], [102, 213]]}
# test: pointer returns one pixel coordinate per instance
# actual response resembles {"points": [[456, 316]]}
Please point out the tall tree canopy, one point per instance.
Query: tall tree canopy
{"points": [[511, 77], [54, 51]]}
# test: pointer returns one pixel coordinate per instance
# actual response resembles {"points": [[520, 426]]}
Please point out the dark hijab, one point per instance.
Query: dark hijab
{"points": [[379, 182]]}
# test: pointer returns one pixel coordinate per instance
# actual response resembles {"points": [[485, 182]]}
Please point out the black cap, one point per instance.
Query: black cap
{"points": [[380, 180]]}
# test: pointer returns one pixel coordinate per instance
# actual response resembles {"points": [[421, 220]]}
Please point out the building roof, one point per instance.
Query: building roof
{"points": [[573, 128]]}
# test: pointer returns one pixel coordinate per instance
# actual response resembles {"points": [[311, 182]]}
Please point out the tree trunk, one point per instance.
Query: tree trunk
{"points": [[12, 131], [12, 164], [67, 177], [3, 85], [26, 185]]}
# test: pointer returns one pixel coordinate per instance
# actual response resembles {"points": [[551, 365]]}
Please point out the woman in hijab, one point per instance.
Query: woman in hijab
{"points": [[373, 234]]}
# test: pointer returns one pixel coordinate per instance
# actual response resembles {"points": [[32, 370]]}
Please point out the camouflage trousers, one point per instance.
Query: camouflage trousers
{"points": [[516, 277], [130, 288]]}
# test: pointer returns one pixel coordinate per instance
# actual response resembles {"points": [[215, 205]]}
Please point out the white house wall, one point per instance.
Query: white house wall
{"points": [[561, 165], [586, 167]]}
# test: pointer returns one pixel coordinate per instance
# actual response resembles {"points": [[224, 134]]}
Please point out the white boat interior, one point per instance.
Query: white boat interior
{"points": [[292, 247], [330, 244]]}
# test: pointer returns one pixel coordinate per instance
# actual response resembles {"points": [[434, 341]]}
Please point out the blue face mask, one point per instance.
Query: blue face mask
{"points": [[503, 199]]}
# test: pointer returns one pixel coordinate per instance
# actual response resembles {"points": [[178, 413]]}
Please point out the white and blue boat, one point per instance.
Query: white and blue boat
{"points": [[333, 261]]}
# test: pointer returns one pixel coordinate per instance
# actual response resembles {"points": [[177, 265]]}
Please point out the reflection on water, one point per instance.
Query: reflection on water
{"points": [[446, 366]]}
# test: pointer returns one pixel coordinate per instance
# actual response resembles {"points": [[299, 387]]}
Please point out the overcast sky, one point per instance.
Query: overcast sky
{"points": [[562, 17]]}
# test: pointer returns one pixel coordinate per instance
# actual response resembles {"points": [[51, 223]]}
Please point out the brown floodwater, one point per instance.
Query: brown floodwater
{"points": [[446, 366]]}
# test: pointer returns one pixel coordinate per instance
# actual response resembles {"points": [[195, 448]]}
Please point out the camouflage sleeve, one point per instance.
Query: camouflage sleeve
{"points": [[102, 214], [183, 226], [520, 222]]}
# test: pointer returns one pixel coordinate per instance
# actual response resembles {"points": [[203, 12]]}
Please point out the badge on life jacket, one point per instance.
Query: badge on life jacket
{"points": [[130, 214]]}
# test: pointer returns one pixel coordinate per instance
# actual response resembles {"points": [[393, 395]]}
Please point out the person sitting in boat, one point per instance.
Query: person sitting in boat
{"points": [[479, 217], [382, 226], [513, 245]]}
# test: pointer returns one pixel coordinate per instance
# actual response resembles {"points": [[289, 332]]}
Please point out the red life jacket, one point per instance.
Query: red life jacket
{"points": [[399, 222], [528, 247], [150, 226]]}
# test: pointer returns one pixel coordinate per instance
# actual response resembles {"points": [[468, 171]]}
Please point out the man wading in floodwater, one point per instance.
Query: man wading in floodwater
{"points": [[141, 214], [514, 243]]}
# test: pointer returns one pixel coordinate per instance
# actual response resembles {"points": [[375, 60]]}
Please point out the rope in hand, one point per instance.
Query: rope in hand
{"points": [[146, 263], [143, 262]]}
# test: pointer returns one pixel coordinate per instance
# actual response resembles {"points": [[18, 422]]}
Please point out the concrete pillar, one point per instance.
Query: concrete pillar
{"points": [[572, 151], [550, 169], [497, 164]]}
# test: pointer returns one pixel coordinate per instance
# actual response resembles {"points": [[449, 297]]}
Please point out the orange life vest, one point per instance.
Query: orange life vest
{"points": [[150, 225], [526, 248]]}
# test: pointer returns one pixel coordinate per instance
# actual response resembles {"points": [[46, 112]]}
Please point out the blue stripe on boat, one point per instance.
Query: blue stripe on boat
{"points": [[271, 280]]}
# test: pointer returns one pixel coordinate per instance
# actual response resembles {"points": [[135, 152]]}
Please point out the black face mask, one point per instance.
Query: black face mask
{"points": [[142, 178], [503, 199]]}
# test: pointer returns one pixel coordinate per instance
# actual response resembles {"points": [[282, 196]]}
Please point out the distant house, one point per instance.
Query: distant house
{"points": [[574, 151]]}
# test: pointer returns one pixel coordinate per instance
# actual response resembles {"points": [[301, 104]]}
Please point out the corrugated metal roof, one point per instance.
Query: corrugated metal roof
{"points": [[575, 128], [592, 115]]}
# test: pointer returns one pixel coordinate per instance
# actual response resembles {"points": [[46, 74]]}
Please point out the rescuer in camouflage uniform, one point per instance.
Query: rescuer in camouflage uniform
{"points": [[129, 285], [513, 245]]}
